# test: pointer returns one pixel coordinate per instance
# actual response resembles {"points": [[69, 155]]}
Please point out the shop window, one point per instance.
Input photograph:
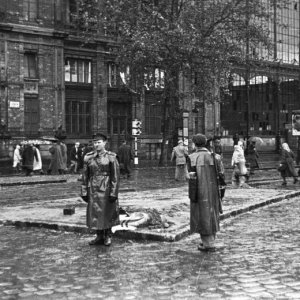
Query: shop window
{"points": [[78, 71], [30, 65]]}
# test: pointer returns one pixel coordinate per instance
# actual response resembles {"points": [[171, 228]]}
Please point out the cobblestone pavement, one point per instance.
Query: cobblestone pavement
{"points": [[258, 257], [141, 180]]}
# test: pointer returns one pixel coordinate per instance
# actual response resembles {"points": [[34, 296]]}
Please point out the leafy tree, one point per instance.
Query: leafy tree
{"points": [[203, 37]]}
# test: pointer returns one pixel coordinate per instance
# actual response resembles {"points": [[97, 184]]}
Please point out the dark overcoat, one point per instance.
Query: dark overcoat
{"points": [[204, 214], [101, 178], [252, 157], [56, 162], [28, 156], [125, 155]]}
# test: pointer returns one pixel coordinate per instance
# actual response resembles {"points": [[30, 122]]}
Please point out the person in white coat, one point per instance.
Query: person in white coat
{"points": [[17, 159], [238, 163]]}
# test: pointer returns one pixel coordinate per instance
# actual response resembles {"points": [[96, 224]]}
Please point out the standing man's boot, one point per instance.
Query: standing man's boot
{"points": [[98, 240], [107, 237]]}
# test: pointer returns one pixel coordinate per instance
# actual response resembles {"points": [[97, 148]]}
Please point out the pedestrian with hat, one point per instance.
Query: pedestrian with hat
{"points": [[179, 155], [57, 161], [205, 206], [100, 187], [125, 156]]}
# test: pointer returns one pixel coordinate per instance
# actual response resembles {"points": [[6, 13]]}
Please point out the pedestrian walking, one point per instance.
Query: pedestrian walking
{"points": [[179, 155], [235, 139], [100, 187], [205, 199], [125, 156], [238, 162], [218, 149], [75, 158], [37, 162], [287, 164], [56, 164], [28, 156], [17, 159], [64, 154], [252, 157]]}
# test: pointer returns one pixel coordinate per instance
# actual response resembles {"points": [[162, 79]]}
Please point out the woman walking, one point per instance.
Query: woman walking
{"points": [[287, 165], [238, 163]]}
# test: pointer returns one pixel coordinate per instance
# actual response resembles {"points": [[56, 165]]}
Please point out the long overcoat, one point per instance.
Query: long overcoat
{"points": [[56, 162], [101, 177], [204, 214], [125, 156], [28, 156], [287, 158], [179, 155]]}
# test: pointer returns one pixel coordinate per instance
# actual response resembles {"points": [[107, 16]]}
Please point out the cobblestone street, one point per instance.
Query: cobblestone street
{"points": [[258, 257]]}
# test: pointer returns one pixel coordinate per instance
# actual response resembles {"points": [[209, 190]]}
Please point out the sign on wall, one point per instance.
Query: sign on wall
{"points": [[14, 104]]}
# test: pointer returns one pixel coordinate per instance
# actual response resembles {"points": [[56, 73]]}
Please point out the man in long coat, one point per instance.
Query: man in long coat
{"points": [[205, 207], [100, 187], [56, 164], [179, 155], [125, 157]]}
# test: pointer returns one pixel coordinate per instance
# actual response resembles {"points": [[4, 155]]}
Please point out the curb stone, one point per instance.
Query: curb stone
{"points": [[146, 234]]}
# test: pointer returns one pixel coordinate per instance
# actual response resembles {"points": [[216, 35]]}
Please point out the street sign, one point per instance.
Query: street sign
{"points": [[136, 127]]}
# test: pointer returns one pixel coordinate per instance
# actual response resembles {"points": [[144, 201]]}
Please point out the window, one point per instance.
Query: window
{"points": [[154, 78], [78, 117], [57, 10], [30, 65], [153, 114], [78, 70], [31, 115], [30, 9], [73, 10], [112, 74]]}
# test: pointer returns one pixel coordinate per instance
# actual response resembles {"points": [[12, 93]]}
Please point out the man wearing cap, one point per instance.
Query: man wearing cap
{"points": [[205, 204], [100, 188], [179, 155]]}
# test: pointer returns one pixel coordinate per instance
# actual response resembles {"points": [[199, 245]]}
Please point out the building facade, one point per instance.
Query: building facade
{"points": [[49, 79], [260, 98]]}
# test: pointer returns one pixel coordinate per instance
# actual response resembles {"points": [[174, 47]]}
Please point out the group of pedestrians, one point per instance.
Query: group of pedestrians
{"points": [[240, 172], [28, 158]]}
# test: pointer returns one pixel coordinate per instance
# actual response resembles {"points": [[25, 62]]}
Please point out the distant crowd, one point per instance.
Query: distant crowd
{"points": [[27, 158]]}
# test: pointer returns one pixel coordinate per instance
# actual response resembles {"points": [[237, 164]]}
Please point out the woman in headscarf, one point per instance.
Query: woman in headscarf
{"points": [[238, 163], [287, 165]]}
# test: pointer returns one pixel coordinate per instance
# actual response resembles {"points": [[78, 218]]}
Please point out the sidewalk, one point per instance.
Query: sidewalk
{"points": [[168, 205]]}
